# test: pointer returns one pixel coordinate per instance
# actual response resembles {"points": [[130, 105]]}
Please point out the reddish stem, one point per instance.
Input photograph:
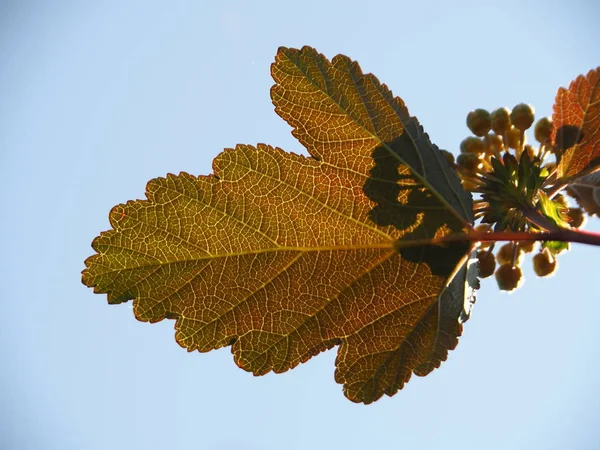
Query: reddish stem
{"points": [[562, 235]]}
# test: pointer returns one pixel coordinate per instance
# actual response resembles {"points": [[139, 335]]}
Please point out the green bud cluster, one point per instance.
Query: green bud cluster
{"points": [[511, 178]]}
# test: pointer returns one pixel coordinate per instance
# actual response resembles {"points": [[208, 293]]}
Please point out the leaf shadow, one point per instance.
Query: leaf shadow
{"points": [[403, 202], [568, 136]]}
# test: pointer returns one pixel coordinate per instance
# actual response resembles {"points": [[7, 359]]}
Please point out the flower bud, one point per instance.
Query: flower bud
{"points": [[500, 120], [522, 116], [543, 130], [509, 277], [469, 161], [544, 263], [484, 227], [505, 253], [513, 138], [487, 263], [527, 246], [479, 122], [472, 144], [493, 141]]}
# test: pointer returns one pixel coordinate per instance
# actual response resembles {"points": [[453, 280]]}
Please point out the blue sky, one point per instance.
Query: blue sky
{"points": [[99, 97]]}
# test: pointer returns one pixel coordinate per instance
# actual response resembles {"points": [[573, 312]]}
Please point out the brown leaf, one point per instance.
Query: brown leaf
{"points": [[576, 122]]}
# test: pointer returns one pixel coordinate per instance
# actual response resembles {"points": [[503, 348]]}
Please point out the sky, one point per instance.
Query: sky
{"points": [[97, 98]]}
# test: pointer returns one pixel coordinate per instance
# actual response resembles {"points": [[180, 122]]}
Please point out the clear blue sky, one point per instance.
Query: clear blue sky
{"points": [[96, 98]]}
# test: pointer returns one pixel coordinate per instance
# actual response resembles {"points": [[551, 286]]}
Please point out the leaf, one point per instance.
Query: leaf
{"points": [[586, 190], [283, 256], [552, 210], [576, 122], [556, 247]]}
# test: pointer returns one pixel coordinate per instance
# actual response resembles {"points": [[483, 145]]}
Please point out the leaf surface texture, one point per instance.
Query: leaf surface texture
{"points": [[283, 256], [576, 121]]}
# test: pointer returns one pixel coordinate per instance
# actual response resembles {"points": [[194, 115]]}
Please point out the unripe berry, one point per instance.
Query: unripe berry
{"points": [[472, 144], [508, 277], [544, 263], [577, 217], [487, 263], [513, 138], [527, 246], [505, 253], [522, 116], [484, 228], [543, 130], [493, 141], [500, 120], [469, 161], [449, 156], [479, 122]]}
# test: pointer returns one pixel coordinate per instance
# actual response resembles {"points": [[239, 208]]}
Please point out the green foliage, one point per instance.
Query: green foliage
{"points": [[365, 245], [516, 183], [553, 210]]}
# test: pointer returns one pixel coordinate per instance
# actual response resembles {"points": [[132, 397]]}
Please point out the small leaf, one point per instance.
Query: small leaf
{"points": [[556, 247], [576, 122], [283, 256], [552, 210]]}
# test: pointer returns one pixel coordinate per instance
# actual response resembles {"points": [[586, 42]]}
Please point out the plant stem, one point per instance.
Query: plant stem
{"points": [[562, 235]]}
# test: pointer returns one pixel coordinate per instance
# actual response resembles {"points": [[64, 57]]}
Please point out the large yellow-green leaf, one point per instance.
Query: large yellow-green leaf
{"points": [[283, 256]]}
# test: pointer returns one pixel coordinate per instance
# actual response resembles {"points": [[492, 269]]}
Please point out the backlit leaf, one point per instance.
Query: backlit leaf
{"points": [[283, 256], [586, 190], [576, 122]]}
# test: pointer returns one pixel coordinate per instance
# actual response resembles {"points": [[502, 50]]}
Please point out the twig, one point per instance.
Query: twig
{"points": [[561, 235]]}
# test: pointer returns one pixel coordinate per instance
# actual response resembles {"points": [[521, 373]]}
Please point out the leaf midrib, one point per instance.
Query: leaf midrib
{"points": [[368, 246]]}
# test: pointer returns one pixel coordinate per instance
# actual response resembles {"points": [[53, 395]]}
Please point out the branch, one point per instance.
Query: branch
{"points": [[561, 235]]}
